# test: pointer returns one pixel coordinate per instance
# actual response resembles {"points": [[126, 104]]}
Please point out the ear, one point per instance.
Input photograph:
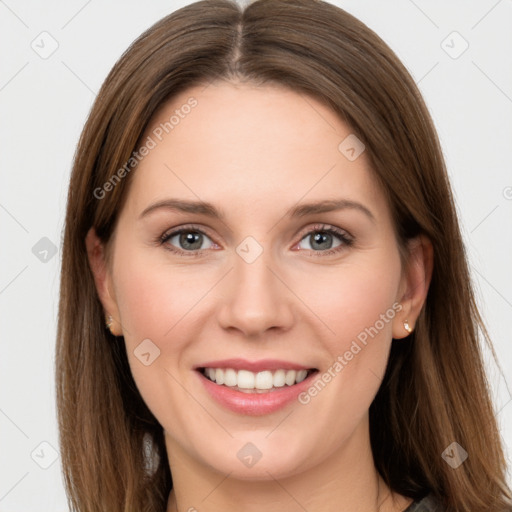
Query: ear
{"points": [[103, 279], [415, 283]]}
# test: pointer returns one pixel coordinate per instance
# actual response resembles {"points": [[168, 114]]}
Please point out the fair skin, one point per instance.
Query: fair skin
{"points": [[255, 152]]}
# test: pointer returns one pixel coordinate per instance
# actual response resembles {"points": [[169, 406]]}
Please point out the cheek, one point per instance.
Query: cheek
{"points": [[153, 300], [356, 301], [357, 304], [156, 303]]}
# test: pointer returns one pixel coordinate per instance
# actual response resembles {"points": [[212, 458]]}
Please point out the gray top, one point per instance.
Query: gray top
{"points": [[427, 504]]}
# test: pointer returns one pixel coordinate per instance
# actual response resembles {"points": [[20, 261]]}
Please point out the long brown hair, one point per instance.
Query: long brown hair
{"points": [[434, 392]]}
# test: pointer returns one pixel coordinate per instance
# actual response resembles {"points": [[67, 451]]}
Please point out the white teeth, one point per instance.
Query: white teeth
{"points": [[219, 376], [245, 379], [290, 377], [301, 375], [279, 378], [230, 377], [264, 380]]}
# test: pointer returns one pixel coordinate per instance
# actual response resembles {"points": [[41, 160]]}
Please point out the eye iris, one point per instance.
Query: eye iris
{"points": [[190, 239], [320, 238]]}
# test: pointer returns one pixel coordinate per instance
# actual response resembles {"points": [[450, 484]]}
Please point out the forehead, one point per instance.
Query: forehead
{"points": [[241, 145]]}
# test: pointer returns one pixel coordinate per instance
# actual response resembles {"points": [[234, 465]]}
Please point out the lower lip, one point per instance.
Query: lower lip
{"points": [[255, 404]]}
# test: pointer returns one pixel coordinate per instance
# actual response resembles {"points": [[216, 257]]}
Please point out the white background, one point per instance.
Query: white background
{"points": [[44, 104]]}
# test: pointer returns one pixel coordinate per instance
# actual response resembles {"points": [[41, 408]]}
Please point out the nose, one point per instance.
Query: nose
{"points": [[257, 298]]}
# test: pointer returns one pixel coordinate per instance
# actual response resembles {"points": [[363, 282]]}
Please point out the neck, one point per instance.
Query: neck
{"points": [[346, 481]]}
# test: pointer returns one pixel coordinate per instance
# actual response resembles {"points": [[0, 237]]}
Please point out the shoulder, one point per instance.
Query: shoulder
{"points": [[428, 504]]}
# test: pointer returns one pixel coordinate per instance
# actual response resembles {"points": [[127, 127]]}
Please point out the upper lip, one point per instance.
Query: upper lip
{"points": [[253, 366]]}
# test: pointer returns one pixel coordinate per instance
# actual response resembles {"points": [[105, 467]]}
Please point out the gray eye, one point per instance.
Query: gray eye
{"points": [[189, 240], [321, 240]]}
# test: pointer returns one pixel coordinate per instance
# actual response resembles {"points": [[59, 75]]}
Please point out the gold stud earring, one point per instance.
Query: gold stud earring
{"points": [[108, 322], [407, 327]]}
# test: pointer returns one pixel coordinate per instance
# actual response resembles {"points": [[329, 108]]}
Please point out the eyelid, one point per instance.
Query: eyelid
{"points": [[185, 227], [325, 227]]}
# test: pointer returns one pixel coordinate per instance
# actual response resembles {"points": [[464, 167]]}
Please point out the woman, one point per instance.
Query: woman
{"points": [[265, 300]]}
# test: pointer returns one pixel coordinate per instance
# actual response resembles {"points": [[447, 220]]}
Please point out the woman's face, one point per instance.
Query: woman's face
{"points": [[261, 292]]}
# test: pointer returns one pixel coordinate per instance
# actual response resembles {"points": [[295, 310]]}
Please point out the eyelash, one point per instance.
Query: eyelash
{"points": [[346, 239]]}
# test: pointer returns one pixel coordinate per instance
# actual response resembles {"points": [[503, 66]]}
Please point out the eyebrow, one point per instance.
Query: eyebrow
{"points": [[301, 210]]}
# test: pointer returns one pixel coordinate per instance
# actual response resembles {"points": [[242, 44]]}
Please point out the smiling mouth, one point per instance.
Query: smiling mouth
{"points": [[256, 382]]}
